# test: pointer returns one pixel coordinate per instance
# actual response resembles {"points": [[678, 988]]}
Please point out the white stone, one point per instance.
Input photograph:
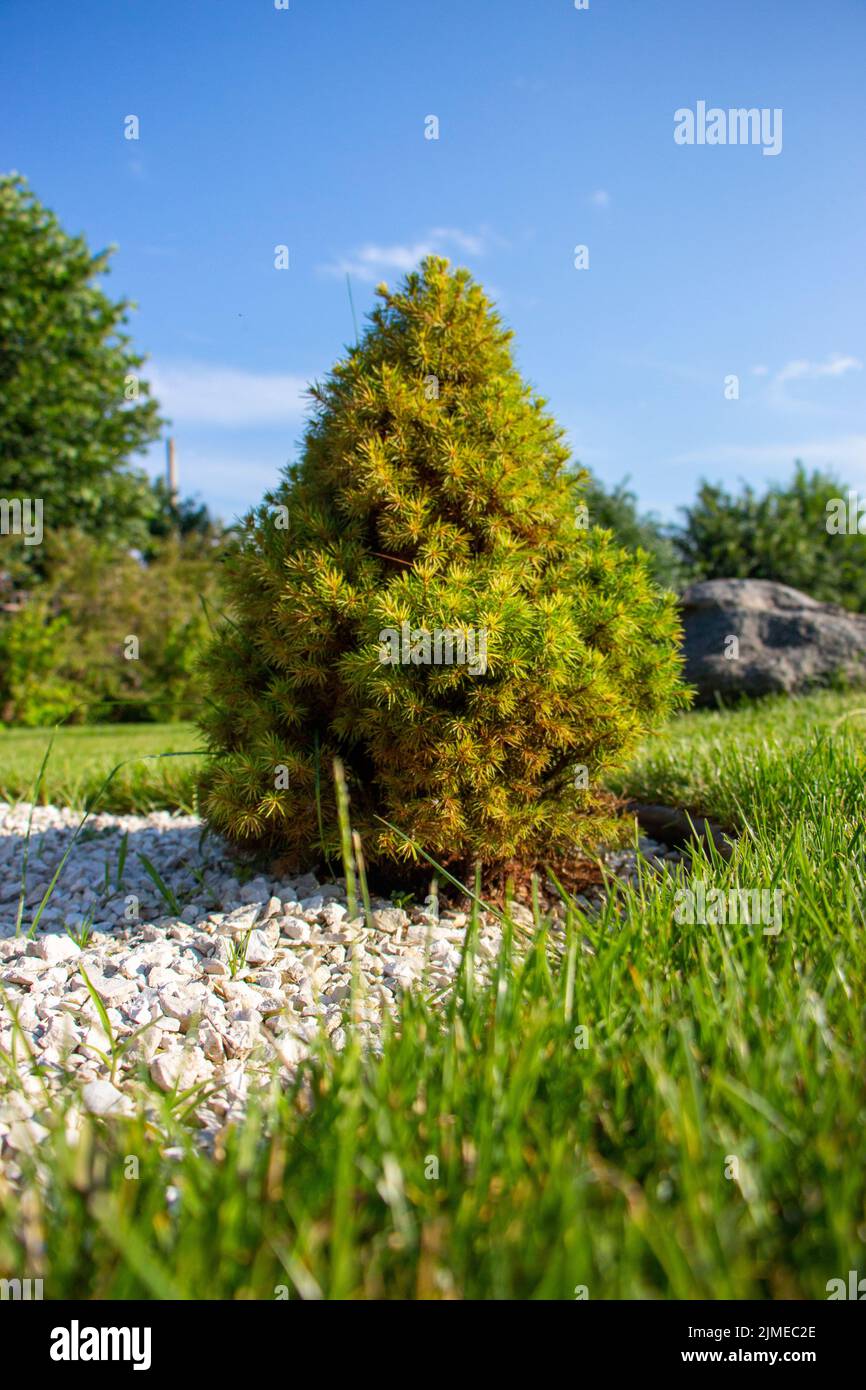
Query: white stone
{"points": [[390, 919], [182, 1004], [295, 928], [259, 952], [181, 1069], [101, 1098], [54, 948], [211, 1043]]}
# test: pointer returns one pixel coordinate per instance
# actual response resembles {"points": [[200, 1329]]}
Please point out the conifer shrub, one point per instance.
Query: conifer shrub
{"points": [[422, 598]]}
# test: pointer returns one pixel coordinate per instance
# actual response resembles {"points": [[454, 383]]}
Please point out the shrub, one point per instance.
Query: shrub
{"points": [[63, 649], [781, 535], [432, 495], [31, 690]]}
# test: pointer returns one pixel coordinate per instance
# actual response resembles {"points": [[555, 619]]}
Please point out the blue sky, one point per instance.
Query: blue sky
{"points": [[306, 128]]}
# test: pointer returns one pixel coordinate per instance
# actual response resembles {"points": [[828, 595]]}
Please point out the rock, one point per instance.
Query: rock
{"points": [[101, 1098], [295, 928], [521, 915], [401, 973], [214, 967], [140, 1012], [289, 1050], [257, 891], [182, 1004], [313, 904], [333, 914], [24, 1135], [211, 1043], [114, 989], [241, 1037], [331, 891], [259, 951], [166, 1024], [246, 996], [239, 922], [146, 1045], [786, 641], [54, 949], [95, 1040], [181, 1069], [61, 1034], [390, 919], [23, 972]]}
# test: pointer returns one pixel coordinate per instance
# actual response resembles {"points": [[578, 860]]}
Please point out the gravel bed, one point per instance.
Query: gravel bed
{"points": [[216, 994]]}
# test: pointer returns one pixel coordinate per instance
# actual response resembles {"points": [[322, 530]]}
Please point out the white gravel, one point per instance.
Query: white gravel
{"points": [[218, 998]]}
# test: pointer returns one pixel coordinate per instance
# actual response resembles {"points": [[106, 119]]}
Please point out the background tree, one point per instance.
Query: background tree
{"points": [[64, 652], [617, 510], [73, 406], [780, 535]]}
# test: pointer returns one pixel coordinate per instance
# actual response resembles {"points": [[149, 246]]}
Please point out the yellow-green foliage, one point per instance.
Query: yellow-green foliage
{"points": [[433, 491]]}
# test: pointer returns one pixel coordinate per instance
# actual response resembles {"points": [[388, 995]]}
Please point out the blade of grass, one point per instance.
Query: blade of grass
{"points": [[346, 838], [163, 889], [121, 859], [36, 788]]}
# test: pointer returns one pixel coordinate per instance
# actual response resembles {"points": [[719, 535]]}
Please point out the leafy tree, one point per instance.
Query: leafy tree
{"points": [[617, 511], [184, 518], [65, 651], [780, 535], [73, 407], [432, 492]]}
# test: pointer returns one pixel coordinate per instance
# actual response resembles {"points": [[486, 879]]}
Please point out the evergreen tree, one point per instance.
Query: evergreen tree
{"points": [[432, 496]]}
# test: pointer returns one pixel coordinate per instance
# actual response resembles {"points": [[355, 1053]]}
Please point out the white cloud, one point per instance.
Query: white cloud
{"points": [[373, 262], [836, 365], [845, 452], [229, 479], [464, 241], [780, 395], [202, 393], [600, 198]]}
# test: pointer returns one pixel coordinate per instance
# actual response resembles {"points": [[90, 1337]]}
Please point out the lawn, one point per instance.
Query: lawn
{"points": [[82, 758], [665, 1111]]}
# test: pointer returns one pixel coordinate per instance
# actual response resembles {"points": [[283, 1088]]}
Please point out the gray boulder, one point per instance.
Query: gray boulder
{"points": [[785, 641]]}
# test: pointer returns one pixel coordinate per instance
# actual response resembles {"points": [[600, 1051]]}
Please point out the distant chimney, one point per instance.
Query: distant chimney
{"points": [[171, 469]]}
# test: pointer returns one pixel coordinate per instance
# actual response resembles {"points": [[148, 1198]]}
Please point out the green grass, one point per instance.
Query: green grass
{"points": [[485, 1155], [715, 762], [83, 756]]}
